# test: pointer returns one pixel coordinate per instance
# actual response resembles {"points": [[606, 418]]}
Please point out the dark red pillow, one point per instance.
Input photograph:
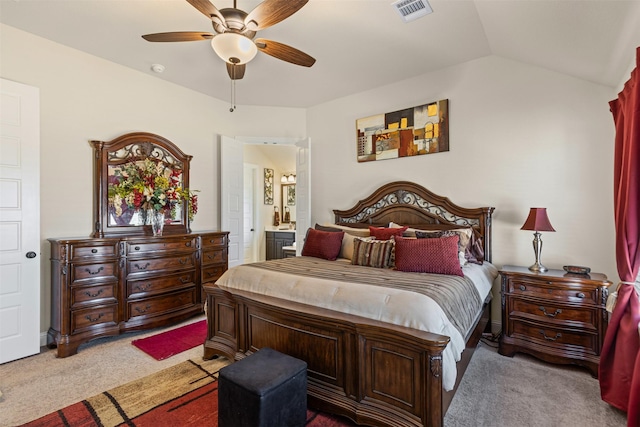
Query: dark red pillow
{"points": [[439, 255], [384, 233], [322, 244]]}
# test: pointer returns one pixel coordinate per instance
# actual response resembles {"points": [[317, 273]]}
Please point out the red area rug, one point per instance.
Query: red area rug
{"points": [[167, 344], [184, 395]]}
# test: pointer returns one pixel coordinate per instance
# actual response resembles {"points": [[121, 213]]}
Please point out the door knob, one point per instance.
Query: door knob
{"points": [[31, 254]]}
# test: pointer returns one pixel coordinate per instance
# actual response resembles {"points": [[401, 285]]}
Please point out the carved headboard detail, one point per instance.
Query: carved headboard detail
{"points": [[410, 204]]}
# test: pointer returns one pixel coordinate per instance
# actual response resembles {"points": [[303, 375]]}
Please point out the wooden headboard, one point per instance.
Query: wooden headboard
{"points": [[407, 203]]}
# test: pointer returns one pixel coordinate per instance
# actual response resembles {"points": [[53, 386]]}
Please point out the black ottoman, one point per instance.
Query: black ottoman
{"points": [[266, 389]]}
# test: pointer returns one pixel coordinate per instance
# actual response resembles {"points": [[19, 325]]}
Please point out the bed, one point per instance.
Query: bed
{"points": [[374, 370]]}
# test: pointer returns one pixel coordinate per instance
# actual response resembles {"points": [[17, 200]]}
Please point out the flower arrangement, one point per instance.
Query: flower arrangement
{"points": [[149, 184]]}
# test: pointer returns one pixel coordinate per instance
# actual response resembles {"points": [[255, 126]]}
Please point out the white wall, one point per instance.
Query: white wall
{"points": [[83, 97], [520, 137]]}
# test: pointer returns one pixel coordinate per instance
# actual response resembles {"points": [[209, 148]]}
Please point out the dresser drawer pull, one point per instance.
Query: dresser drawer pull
{"points": [[143, 310], [137, 248], [93, 319], [90, 295], [94, 251], [188, 244], [558, 335], [93, 273], [544, 310], [183, 261], [143, 287], [580, 295], [144, 267], [185, 279], [523, 288]]}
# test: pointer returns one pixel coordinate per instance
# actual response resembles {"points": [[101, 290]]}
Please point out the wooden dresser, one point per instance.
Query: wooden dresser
{"points": [[556, 316], [107, 286]]}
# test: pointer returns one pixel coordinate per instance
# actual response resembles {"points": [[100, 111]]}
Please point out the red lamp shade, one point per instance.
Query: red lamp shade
{"points": [[537, 220]]}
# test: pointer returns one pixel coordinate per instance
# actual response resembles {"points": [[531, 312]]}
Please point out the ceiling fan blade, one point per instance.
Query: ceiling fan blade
{"points": [[208, 10], [178, 36], [236, 72], [284, 52], [270, 12]]}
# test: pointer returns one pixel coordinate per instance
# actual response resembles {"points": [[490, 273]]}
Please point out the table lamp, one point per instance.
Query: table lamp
{"points": [[537, 221]]}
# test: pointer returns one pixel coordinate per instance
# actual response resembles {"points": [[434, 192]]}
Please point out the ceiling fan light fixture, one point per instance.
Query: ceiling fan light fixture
{"points": [[234, 48]]}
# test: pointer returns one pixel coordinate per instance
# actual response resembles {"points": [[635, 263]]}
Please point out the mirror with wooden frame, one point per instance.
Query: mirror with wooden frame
{"points": [[121, 198]]}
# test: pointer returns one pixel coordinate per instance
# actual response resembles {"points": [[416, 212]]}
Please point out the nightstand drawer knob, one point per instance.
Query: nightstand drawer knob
{"points": [[523, 287], [544, 310], [580, 295], [558, 335]]}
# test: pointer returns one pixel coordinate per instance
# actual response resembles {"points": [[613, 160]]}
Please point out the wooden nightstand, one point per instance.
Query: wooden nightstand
{"points": [[555, 316]]}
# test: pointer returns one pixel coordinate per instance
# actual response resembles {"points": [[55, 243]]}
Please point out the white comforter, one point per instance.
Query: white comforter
{"points": [[389, 305]]}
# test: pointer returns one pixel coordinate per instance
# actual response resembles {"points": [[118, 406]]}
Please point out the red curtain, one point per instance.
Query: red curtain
{"points": [[620, 358]]}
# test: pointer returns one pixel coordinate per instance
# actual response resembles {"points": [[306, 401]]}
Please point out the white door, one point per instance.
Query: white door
{"points": [[249, 222], [19, 221], [303, 191], [231, 183]]}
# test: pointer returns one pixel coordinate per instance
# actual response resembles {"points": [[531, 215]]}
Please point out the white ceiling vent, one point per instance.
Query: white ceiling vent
{"points": [[412, 9]]}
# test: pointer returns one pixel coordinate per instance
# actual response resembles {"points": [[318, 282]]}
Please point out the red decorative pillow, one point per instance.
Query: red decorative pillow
{"points": [[322, 244], [383, 233], [439, 255]]}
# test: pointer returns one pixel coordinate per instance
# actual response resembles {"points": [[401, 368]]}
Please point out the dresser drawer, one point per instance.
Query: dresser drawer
{"points": [[161, 304], [142, 287], [209, 240], [88, 250], [158, 264], [98, 270], [84, 319], [211, 274], [553, 290], [162, 245], [563, 315], [560, 338], [83, 295], [214, 256]]}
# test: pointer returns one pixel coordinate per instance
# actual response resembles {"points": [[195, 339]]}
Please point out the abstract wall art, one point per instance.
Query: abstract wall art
{"points": [[404, 133]]}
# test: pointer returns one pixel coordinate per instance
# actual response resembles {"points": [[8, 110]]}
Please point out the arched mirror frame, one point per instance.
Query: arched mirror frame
{"points": [[124, 149]]}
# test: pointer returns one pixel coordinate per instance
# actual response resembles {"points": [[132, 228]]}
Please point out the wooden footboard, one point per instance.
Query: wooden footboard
{"points": [[372, 372]]}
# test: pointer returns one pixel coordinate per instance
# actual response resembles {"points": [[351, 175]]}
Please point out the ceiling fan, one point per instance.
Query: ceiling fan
{"points": [[233, 40]]}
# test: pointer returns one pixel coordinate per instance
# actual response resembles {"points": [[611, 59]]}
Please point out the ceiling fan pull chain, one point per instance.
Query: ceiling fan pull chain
{"points": [[233, 96]]}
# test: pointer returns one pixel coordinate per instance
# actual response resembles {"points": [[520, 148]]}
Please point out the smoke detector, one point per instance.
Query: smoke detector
{"points": [[157, 68], [410, 10]]}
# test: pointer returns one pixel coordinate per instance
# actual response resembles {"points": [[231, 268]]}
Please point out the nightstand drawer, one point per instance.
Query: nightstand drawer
{"points": [[562, 338], [549, 289], [558, 314]]}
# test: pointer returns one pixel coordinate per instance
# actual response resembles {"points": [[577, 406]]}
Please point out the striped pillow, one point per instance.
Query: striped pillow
{"points": [[372, 253]]}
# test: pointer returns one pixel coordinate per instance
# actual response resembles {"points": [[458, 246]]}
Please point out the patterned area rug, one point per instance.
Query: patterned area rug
{"points": [[166, 344], [183, 395]]}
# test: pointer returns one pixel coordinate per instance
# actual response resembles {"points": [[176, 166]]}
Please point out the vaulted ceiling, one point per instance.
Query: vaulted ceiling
{"points": [[358, 44]]}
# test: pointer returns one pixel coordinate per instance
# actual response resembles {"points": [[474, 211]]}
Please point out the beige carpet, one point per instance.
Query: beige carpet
{"points": [[499, 391], [496, 390]]}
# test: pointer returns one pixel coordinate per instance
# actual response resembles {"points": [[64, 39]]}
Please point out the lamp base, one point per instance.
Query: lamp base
{"points": [[538, 268]]}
